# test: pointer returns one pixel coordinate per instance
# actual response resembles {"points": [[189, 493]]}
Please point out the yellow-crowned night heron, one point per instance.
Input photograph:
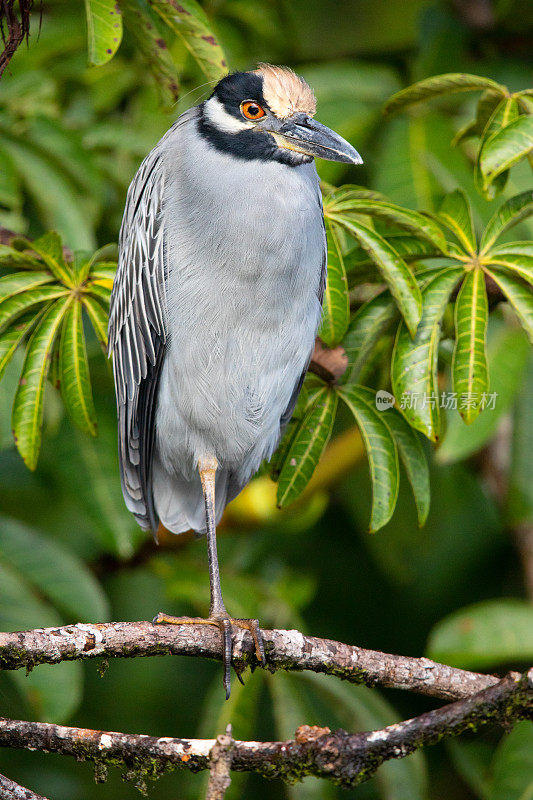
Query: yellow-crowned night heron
{"points": [[216, 304]]}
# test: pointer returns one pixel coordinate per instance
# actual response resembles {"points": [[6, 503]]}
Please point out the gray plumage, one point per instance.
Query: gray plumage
{"points": [[214, 313]]}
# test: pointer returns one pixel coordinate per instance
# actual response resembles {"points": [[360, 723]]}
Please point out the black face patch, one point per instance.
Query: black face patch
{"points": [[248, 144], [236, 88]]}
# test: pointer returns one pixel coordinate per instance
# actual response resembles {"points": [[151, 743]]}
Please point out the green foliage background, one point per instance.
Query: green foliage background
{"points": [[71, 138]]}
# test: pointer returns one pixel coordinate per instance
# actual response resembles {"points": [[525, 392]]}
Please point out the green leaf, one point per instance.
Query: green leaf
{"points": [[512, 765], [189, 21], [366, 328], [102, 271], [487, 104], [59, 202], [381, 451], [22, 282], [74, 371], [395, 271], [27, 416], [507, 358], [467, 131], [470, 374], [309, 441], [336, 306], [11, 338], [456, 214], [423, 227], [414, 460], [11, 257], [414, 361], [505, 148], [104, 30], [505, 112], [522, 265], [14, 306], [50, 248], [484, 635], [54, 571], [509, 213], [437, 86], [99, 320], [519, 296], [140, 24], [98, 290]]}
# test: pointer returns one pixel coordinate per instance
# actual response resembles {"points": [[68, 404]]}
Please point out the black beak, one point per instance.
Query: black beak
{"points": [[305, 135]]}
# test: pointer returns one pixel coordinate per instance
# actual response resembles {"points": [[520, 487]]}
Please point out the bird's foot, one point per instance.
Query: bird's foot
{"points": [[225, 625]]}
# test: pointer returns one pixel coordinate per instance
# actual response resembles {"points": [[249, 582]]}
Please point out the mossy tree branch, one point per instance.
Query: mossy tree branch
{"points": [[287, 650], [344, 758]]}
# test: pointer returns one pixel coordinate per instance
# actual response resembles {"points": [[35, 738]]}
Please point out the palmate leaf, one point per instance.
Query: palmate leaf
{"points": [[188, 20], [307, 445], [27, 416], [336, 305], [75, 382], [414, 361], [381, 452], [506, 148], [511, 212], [470, 374], [455, 213], [518, 294], [104, 30], [439, 85], [365, 330], [424, 227], [395, 271]]}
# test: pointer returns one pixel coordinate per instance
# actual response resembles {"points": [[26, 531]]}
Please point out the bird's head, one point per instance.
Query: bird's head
{"points": [[268, 114]]}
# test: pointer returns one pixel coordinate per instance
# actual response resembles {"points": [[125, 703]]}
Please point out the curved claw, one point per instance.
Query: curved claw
{"points": [[226, 631]]}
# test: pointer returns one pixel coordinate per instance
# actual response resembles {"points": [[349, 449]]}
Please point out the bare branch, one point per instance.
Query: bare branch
{"points": [[288, 650], [346, 759], [220, 759], [16, 29], [9, 790]]}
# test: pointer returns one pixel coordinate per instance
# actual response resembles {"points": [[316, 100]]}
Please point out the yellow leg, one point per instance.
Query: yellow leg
{"points": [[217, 611]]}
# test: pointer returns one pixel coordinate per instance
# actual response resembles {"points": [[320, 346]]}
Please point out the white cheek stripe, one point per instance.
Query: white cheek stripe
{"points": [[219, 117]]}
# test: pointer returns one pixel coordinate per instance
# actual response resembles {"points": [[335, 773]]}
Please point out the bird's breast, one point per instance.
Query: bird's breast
{"points": [[245, 246]]}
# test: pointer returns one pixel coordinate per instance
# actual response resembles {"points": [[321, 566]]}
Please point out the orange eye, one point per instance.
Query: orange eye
{"points": [[252, 110]]}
